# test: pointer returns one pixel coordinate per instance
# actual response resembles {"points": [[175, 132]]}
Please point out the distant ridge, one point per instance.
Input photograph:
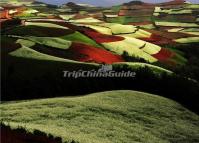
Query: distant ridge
{"points": [[77, 6], [139, 2], [135, 2], [174, 2]]}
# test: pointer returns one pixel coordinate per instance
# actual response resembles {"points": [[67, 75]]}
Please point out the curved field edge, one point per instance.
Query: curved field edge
{"points": [[135, 66], [188, 40], [32, 54], [114, 116], [28, 53]]}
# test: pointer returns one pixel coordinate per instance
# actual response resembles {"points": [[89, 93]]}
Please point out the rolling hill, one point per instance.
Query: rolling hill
{"points": [[109, 117], [135, 36]]}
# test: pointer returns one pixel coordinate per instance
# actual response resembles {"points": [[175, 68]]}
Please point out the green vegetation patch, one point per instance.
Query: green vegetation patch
{"points": [[119, 28], [173, 11], [78, 37], [108, 117], [147, 26], [51, 42], [67, 17], [188, 40], [50, 25], [135, 66], [138, 34], [86, 20], [25, 15], [25, 52], [134, 47], [44, 15], [177, 24], [191, 31], [101, 29], [191, 6], [116, 8], [26, 43], [128, 19]]}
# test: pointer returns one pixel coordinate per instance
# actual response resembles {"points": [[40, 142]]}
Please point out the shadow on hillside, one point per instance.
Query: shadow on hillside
{"points": [[21, 135], [33, 79]]}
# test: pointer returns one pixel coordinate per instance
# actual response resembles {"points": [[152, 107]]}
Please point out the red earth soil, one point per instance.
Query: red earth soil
{"points": [[163, 54], [178, 18], [145, 12], [81, 52], [158, 40], [174, 2], [140, 23], [4, 14], [86, 53], [102, 38], [98, 37], [53, 17], [138, 6], [168, 35], [80, 16]]}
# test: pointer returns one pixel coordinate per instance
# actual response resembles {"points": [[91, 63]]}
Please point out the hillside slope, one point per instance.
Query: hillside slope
{"points": [[108, 117]]}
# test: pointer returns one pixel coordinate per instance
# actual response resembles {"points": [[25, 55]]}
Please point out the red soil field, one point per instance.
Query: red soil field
{"points": [[158, 40], [145, 12], [140, 23], [81, 52], [138, 6], [163, 55], [4, 14], [80, 16], [168, 35], [98, 37], [53, 17], [19, 10], [102, 38], [178, 18], [86, 53], [174, 2]]}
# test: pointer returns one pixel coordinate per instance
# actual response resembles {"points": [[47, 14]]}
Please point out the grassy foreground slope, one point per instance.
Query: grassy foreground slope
{"points": [[108, 117]]}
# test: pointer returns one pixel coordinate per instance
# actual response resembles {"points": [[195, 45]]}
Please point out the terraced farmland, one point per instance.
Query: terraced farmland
{"points": [[113, 36], [90, 36], [156, 42]]}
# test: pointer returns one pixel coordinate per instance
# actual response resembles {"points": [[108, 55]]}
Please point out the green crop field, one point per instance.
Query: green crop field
{"points": [[78, 37], [128, 19], [109, 117], [134, 47], [173, 11], [44, 25], [188, 40], [176, 24], [85, 20]]}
